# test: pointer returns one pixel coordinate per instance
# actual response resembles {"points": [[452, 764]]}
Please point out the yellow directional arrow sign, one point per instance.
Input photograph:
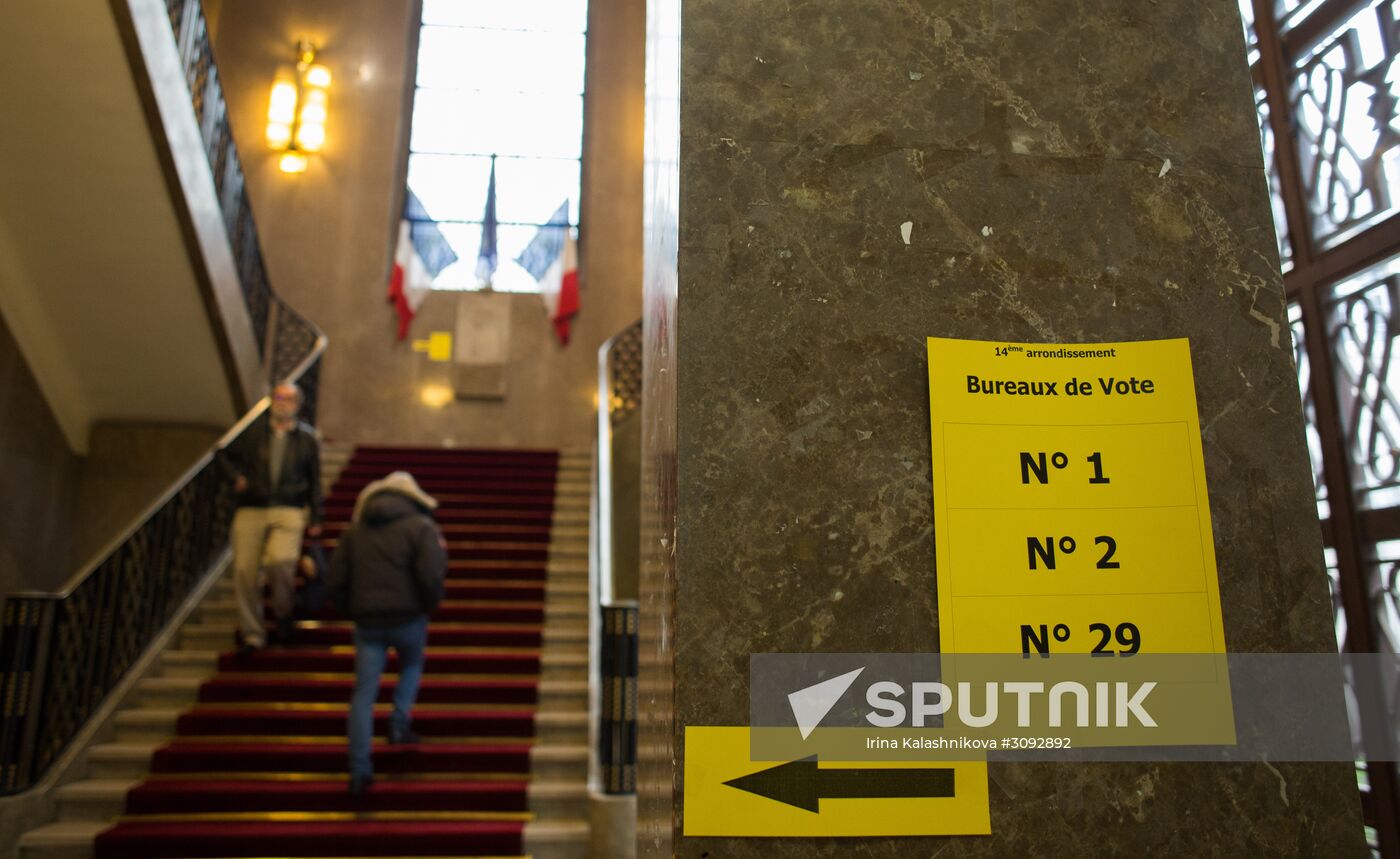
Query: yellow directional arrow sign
{"points": [[726, 793]]}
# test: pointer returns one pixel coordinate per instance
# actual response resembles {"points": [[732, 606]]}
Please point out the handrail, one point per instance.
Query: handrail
{"points": [[179, 483], [62, 652]]}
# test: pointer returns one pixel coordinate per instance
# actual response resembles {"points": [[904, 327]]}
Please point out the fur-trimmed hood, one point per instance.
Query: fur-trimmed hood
{"points": [[399, 481]]}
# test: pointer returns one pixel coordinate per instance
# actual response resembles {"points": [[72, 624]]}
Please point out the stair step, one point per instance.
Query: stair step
{"points": [[473, 609], [66, 839], [219, 636], [440, 660], [113, 761], [189, 663], [557, 839], [159, 693], [558, 799], [93, 799], [146, 724], [560, 762], [382, 836], [104, 799], [435, 724], [121, 760]]}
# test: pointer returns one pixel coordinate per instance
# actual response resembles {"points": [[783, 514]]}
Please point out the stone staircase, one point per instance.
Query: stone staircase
{"points": [[557, 792]]}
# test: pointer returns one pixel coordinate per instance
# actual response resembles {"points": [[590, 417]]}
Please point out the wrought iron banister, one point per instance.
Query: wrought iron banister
{"points": [[62, 653], [190, 29]]}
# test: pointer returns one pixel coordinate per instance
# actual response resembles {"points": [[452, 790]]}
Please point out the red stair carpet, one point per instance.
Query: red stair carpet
{"points": [[257, 766]]}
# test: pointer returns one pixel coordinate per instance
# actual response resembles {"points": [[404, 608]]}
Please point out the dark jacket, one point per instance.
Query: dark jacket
{"points": [[298, 484], [389, 567]]}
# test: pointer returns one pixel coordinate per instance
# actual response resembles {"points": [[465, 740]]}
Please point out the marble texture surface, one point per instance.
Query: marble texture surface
{"points": [[1075, 171]]}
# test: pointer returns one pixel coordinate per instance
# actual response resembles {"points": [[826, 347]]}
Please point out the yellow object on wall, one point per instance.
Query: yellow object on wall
{"points": [[1070, 500], [438, 346], [718, 757]]}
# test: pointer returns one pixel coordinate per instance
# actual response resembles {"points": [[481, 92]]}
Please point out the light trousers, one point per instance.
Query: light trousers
{"points": [[265, 540]]}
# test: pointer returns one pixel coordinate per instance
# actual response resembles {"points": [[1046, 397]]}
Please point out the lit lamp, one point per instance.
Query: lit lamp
{"points": [[296, 110]]}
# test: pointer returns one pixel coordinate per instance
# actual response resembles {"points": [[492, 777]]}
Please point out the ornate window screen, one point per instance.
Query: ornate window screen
{"points": [[1362, 327], [1327, 89], [1343, 100]]}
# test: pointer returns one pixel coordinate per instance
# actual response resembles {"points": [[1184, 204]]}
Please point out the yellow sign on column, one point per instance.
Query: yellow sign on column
{"points": [[726, 793], [1070, 502]]}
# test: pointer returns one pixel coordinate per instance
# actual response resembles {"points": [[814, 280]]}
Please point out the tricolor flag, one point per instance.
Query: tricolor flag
{"points": [[486, 259], [552, 259], [420, 254]]}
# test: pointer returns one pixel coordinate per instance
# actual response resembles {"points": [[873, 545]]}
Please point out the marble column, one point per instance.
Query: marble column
{"points": [[1075, 171]]}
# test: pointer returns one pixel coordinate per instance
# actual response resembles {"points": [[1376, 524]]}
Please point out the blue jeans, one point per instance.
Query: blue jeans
{"points": [[371, 652]]}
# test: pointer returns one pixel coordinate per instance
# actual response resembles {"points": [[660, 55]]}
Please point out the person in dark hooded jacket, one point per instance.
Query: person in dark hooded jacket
{"points": [[387, 576]]}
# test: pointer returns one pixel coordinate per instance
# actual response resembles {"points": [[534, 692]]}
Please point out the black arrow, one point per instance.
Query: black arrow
{"points": [[803, 784]]}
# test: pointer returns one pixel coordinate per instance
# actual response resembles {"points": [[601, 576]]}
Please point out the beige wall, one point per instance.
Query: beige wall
{"points": [[128, 467], [327, 234], [97, 284]]}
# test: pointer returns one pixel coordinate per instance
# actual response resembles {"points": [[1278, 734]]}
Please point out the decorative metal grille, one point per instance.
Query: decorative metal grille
{"points": [[1251, 41], [98, 630], [1291, 13], [625, 373], [617, 731], [1344, 114], [1388, 615], [293, 340], [211, 112], [1362, 332]]}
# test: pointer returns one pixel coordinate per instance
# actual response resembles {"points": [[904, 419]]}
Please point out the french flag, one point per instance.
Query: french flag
{"points": [[551, 258], [420, 254]]}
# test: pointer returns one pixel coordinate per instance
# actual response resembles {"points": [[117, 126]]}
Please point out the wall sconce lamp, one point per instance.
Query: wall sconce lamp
{"points": [[296, 111]]}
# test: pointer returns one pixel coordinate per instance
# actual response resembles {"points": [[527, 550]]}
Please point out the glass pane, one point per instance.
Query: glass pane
{"points": [[451, 187], [1291, 13], [528, 190], [1314, 438], [1362, 331], [569, 16], [485, 123], [1388, 564], [1251, 40], [1344, 106], [1334, 581], [1266, 133], [501, 60], [466, 241]]}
